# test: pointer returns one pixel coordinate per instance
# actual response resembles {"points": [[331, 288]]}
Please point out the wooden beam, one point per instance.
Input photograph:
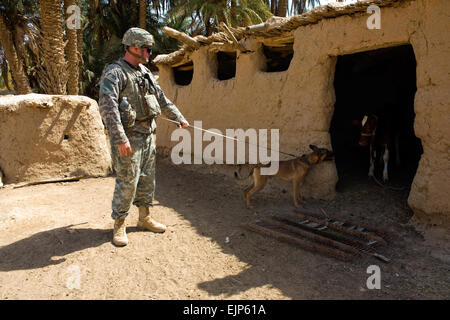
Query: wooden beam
{"points": [[181, 36], [233, 38], [185, 67], [220, 46], [70, 179]]}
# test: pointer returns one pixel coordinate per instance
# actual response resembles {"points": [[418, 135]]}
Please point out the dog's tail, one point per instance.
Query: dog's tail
{"points": [[243, 181]]}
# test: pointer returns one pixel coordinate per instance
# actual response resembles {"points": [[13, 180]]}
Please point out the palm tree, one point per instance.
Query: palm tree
{"points": [[53, 46], [142, 13], [71, 53], [80, 51], [279, 7], [300, 6], [102, 36], [273, 6], [18, 74], [282, 8], [212, 12], [4, 70]]}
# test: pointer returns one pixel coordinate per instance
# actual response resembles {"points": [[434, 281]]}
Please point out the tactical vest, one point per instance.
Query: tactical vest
{"points": [[140, 92]]}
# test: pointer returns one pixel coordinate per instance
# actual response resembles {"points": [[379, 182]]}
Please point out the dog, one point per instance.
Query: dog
{"points": [[293, 170]]}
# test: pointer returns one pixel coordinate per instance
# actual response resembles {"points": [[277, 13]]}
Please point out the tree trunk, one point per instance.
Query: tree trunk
{"points": [[282, 8], [19, 40], [21, 83], [209, 28], [71, 53], [273, 6], [53, 46], [234, 20], [4, 68], [80, 52], [142, 13]]}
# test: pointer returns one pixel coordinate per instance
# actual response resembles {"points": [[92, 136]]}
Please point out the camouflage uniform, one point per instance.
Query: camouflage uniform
{"points": [[135, 180]]}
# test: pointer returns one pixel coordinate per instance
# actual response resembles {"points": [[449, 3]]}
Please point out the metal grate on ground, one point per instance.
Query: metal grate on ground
{"points": [[334, 237]]}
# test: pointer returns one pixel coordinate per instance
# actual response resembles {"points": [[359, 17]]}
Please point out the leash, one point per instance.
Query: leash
{"points": [[231, 138]]}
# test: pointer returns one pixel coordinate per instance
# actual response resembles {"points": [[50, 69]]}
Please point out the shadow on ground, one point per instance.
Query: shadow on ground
{"points": [[213, 205], [43, 248]]}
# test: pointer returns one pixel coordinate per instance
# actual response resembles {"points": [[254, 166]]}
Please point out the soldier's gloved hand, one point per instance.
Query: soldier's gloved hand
{"points": [[125, 149], [183, 124]]}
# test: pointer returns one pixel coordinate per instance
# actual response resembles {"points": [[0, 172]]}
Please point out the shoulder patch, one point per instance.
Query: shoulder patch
{"points": [[110, 80], [112, 75]]}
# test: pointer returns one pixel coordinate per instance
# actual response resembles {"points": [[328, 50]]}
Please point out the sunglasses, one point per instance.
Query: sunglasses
{"points": [[149, 49]]}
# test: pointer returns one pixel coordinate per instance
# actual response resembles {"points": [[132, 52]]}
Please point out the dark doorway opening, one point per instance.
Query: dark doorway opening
{"points": [[226, 65], [183, 74], [364, 83], [278, 58]]}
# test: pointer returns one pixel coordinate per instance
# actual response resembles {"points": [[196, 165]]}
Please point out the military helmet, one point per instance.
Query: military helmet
{"points": [[138, 38]]}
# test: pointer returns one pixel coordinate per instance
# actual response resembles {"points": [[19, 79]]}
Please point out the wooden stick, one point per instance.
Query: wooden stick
{"points": [[181, 36], [233, 38], [48, 181], [221, 46], [338, 254]]}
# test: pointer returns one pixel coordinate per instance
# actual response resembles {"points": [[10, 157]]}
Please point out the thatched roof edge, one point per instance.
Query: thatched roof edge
{"points": [[276, 27]]}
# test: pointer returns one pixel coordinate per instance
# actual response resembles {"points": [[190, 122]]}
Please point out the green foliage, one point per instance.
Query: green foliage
{"points": [[102, 38], [206, 15], [105, 21]]}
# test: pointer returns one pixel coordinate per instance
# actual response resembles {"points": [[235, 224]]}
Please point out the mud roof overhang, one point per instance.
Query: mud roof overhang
{"points": [[276, 31]]}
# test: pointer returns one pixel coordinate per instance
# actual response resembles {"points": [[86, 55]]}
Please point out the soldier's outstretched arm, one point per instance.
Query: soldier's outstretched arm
{"points": [[111, 84], [167, 106]]}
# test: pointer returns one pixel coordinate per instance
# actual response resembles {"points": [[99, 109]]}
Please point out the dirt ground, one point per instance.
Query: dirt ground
{"points": [[50, 232]]}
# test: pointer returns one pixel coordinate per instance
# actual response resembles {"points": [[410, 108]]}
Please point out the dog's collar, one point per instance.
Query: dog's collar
{"points": [[304, 158]]}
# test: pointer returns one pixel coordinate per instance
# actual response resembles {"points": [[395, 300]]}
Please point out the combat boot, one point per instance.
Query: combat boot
{"points": [[147, 223], [120, 234]]}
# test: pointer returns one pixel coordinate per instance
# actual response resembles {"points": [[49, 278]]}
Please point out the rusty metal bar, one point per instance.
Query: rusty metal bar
{"points": [[338, 236], [333, 252], [386, 233], [313, 236], [367, 236]]}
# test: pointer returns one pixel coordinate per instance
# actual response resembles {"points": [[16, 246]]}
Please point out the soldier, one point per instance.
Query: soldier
{"points": [[130, 99]]}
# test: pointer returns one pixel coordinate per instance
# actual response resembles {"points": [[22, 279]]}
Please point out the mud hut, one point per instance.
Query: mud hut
{"points": [[47, 137], [311, 75]]}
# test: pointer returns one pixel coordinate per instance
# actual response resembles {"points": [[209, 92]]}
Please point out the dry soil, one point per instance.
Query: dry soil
{"points": [[50, 232]]}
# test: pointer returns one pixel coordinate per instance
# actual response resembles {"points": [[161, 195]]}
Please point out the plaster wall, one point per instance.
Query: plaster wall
{"points": [[300, 101], [44, 137]]}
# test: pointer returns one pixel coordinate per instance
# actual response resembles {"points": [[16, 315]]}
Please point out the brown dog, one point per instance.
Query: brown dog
{"points": [[291, 170]]}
